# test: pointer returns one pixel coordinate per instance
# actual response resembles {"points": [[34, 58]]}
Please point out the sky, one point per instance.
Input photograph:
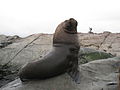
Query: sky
{"points": [[25, 17]]}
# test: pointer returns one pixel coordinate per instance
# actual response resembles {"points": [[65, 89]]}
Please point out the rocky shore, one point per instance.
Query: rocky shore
{"points": [[15, 51]]}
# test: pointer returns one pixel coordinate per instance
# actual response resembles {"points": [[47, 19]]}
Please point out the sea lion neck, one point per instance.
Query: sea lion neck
{"points": [[61, 37], [71, 32]]}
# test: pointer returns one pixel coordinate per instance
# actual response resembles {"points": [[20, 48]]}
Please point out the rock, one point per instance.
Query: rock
{"points": [[4, 44], [24, 50], [28, 48], [6, 40], [16, 51], [13, 56], [88, 54], [37, 45], [107, 41], [95, 75]]}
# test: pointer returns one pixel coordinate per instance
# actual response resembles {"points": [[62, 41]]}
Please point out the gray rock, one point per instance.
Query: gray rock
{"points": [[15, 55], [95, 75], [37, 45], [6, 40], [109, 42], [87, 54], [16, 51]]}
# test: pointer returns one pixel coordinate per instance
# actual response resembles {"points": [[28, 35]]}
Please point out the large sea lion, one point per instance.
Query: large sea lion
{"points": [[62, 58]]}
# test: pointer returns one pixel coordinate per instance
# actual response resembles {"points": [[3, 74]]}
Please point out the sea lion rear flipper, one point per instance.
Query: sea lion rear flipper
{"points": [[74, 74]]}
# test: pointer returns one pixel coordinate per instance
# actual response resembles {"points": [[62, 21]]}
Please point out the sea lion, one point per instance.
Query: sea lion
{"points": [[62, 58]]}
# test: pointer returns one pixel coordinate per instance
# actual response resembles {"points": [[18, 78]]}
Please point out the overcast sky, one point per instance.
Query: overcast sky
{"points": [[25, 17]]}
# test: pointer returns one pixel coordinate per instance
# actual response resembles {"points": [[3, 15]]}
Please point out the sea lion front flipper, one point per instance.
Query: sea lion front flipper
{"points": [[74, 74]]}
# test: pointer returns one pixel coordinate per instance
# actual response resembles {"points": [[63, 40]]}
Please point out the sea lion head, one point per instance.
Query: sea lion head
{"points": [[66, 33], [70, 26]]}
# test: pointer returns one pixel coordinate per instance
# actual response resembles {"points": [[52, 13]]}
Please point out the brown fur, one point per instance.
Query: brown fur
{"points": [[62, 58], [66, 33]]}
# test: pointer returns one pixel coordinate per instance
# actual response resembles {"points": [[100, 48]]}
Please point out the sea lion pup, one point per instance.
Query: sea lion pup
{"points": [[62, 58]]}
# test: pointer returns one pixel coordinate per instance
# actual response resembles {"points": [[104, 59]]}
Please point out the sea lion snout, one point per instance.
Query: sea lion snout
{"points": [[73, 22], [70, 26]]}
